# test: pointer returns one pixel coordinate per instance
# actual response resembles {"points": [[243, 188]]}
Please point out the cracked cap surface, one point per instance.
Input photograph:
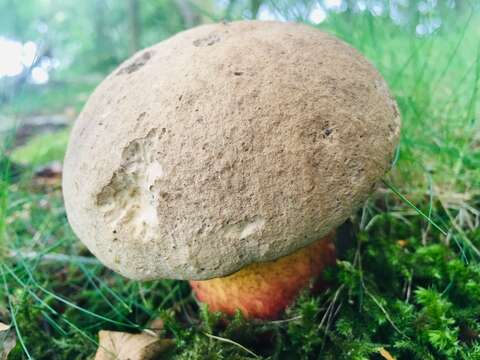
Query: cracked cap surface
{"points": [[225, 145]]}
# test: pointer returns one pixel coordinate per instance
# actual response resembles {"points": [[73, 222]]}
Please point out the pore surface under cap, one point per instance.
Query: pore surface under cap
{"points": [[225, 145]]}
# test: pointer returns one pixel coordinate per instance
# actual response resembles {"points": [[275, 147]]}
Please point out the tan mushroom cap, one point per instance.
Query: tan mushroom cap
{"points": [[225, 145]]}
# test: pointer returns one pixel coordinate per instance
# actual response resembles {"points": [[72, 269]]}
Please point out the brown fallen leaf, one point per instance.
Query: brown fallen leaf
{"points": [[385, 354], [156, 325], [116, 345], [8, 340]]}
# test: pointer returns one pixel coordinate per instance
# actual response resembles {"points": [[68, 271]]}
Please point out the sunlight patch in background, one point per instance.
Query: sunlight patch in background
{"points": [[335, 5], [317, 14], [397, 10], [16, 58], [266, 14]]}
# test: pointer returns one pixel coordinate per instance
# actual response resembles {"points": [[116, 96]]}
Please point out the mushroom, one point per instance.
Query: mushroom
{"points": [[233, 148]]}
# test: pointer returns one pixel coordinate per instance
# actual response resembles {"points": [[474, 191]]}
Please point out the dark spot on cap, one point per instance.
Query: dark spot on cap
{"points": [[141, 116], [208, 40], [137, 63]]}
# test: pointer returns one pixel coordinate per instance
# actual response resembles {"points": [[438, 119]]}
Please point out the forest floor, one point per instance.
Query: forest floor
{"points": [[408, 288]]}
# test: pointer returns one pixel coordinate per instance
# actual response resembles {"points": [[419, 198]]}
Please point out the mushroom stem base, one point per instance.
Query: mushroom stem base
{"points": [[264, 290]]}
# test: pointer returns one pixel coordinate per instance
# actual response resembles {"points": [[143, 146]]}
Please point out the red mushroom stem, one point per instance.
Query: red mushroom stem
{"points": [[264, 290]]}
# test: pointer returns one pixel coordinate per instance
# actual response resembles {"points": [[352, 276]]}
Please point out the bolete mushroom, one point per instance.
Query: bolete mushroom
{"points": [[227, 147]]}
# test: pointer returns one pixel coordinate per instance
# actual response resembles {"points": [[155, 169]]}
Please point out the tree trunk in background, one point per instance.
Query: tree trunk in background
{"points": [[134, 25], [101, 38], [229, 9], [254, 7], [190, 18], [104, 52]]}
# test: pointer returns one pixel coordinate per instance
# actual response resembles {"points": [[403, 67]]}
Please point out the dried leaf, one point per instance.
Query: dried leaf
{"points": [[8, 340], [385, 354], [156, 325], [115, 345]]}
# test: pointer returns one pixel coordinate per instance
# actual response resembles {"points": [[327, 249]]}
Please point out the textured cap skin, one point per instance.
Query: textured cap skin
{"points": [[225, 145]]}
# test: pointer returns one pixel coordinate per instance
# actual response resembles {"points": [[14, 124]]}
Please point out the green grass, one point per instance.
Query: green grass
{"points": [[409, 285], [51, 99], [42, 149]]}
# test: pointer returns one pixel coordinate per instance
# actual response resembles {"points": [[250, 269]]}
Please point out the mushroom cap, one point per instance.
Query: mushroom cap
{"points": [[225, 145]]}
